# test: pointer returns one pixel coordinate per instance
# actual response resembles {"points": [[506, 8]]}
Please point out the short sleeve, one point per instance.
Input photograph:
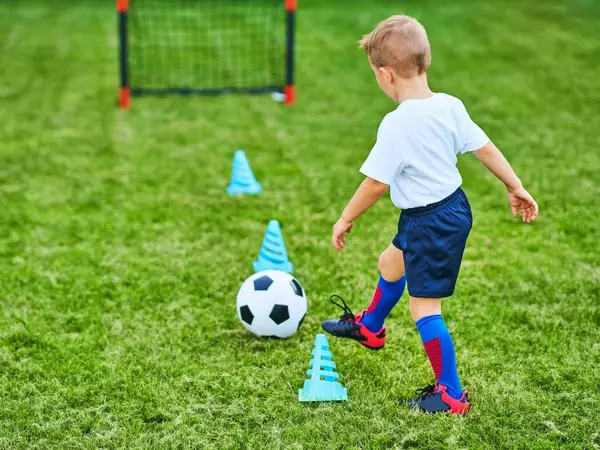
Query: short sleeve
{"points": [[384, 161], [474, 136]]}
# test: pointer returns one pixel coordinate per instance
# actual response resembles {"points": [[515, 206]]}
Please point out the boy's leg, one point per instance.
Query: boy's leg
{"points": [[448, 394], [389, 288], [367, 326], [433, 240]]}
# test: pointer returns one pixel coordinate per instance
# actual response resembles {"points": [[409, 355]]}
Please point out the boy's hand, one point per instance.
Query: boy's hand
{"points": [[521, 200], [518, 198], [340, 228], [365, 196]]}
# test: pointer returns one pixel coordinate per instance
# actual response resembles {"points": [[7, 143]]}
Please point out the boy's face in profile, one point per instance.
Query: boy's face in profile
{"points": [[384, 77]]}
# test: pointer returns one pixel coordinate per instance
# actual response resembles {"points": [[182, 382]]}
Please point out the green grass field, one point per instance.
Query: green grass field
{"points": [[121, 254]]}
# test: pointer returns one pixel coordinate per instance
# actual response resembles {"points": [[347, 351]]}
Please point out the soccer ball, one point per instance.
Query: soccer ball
{"points": [[271, 303]]}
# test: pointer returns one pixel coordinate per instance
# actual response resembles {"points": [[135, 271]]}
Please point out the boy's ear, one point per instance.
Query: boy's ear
{"points": [[387, 73]]}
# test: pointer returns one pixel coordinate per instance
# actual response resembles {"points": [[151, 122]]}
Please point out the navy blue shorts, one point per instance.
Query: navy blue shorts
{"points": [[433, 240]]}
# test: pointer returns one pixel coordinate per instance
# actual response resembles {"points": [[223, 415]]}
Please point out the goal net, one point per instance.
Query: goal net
{"points": [[207, 47]]}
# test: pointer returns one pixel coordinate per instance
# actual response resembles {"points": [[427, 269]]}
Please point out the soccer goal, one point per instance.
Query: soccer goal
{"points": [[206, 47]]}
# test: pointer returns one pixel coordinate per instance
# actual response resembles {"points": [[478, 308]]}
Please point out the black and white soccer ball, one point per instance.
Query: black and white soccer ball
{"points": [[271, 303]]}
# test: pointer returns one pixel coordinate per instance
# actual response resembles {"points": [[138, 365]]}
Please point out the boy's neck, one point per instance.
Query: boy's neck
{"points": [[413, 88]]}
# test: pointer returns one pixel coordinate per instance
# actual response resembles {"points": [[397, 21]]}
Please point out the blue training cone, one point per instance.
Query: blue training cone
{"points": [[242, 177], [273, 255], [322, 385]]}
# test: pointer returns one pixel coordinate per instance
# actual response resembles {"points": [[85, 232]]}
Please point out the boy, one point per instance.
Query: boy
{"points": [[415, 155]]}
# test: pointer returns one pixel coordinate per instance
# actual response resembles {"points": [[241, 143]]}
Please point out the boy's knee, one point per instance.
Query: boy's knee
{"points": [[383, 263], [423, 307], [414, 310], [391, 265]]}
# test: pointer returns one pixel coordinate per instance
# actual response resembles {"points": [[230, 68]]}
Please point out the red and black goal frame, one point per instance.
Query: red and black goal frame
{"points": [[288, 89]]}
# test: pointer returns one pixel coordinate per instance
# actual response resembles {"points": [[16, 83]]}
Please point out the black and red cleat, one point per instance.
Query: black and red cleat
{"points": [[349, 326], [435, 399]]}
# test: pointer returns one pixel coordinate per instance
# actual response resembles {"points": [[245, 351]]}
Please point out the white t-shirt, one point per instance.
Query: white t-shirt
{"points": [[416, 148]]}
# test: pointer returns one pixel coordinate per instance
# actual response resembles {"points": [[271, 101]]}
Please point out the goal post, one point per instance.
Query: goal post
{"points": [[124, 91], [290, 88], [206, 47]]}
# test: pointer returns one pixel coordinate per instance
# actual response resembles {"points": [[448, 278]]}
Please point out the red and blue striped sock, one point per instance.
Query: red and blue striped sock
{"points": [[386, 296], [440, 351]]}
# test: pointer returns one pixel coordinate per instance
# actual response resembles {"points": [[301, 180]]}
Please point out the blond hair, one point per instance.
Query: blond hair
{"points": [[399, 42]]}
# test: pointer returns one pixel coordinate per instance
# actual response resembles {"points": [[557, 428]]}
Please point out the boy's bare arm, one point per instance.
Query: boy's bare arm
{"points": [[518, 198], [365, 196]]}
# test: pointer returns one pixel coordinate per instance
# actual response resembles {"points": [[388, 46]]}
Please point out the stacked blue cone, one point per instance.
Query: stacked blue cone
{"points": [[322, 385], [273, 255], [242, 177]]}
